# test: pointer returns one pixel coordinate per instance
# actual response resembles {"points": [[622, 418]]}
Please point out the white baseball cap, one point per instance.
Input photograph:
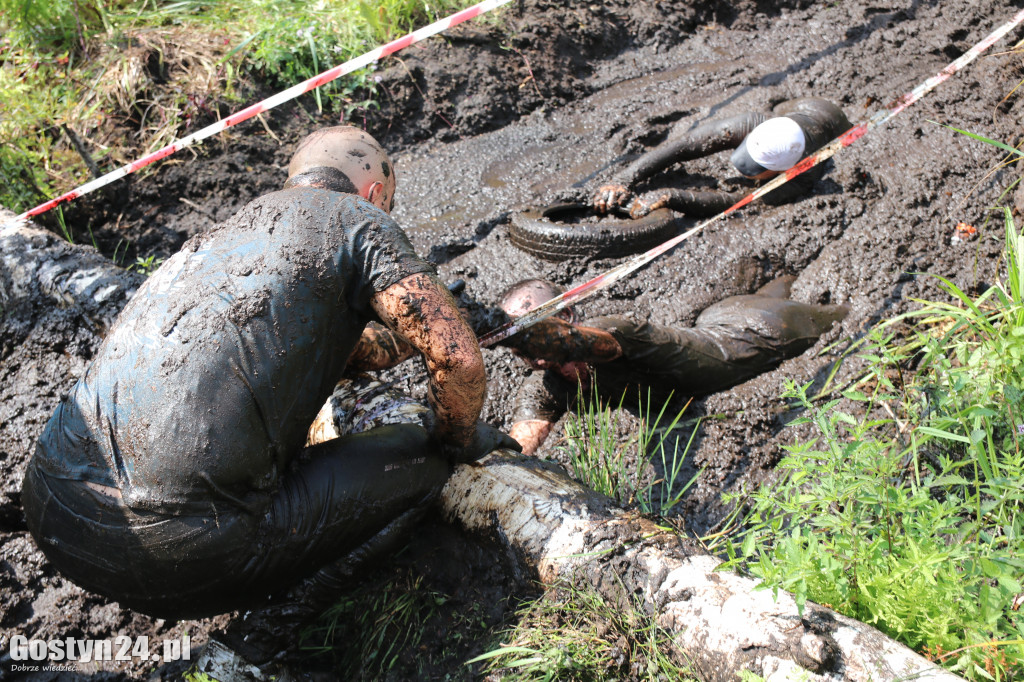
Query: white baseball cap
{"points": [[776, 145]]}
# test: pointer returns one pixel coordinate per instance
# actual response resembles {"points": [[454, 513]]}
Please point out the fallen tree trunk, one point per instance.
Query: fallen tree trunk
{"points": [[39, 268], [719, 622]]}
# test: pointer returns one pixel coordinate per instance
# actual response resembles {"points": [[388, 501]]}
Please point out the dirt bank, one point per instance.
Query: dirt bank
{"points": [[489, 121]]}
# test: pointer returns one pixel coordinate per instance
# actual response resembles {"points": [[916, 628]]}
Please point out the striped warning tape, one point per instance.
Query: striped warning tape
{"points": [[587, 289], [269, 103]]}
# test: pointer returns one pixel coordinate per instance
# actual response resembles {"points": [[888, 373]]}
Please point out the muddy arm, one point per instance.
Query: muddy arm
{"points": [[704, 140], [558, 341], [540, 402], [379, 348], [696, 204], [707, 203], [420, 309]]}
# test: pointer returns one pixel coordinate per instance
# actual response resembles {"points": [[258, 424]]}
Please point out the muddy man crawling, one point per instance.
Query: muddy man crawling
{"points": [[764, 145], [176, 479], [734, 340]]}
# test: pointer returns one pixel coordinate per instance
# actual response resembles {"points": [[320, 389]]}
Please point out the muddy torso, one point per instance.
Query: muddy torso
{"points": [[207, 383]]}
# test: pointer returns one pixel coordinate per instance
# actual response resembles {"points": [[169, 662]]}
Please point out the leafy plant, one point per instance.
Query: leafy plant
{"points": [[911, 518], [600, 458], [197, 676], [572, 633], [146, 265]]}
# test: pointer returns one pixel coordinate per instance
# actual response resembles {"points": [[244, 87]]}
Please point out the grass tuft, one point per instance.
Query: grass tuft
{"points": [[572, 633], [642, 469], [389, 631]]}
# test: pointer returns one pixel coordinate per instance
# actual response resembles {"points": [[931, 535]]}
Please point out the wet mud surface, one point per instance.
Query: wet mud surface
{"points": [[486, 123]]}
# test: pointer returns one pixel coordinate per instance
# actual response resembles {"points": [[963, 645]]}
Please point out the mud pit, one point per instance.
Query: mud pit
{"points": [[486, 123]]}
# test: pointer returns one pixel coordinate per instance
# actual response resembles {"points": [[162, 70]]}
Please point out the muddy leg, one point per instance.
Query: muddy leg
{"points": [[267, 633], [786, 326], [345, 503]]}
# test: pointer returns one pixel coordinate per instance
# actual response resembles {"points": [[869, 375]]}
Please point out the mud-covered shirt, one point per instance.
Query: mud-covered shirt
{"points": [[206, 385]]}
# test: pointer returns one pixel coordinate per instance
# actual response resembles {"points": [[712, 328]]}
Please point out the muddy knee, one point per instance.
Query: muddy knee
{"points": [[818, 319]]}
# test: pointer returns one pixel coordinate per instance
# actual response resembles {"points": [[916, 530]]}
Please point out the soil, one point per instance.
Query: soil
{"points": [[495, 118]]}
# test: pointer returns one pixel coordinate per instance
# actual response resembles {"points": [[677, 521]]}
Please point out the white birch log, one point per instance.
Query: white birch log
{"points": [[39, 268], [719, 622]]}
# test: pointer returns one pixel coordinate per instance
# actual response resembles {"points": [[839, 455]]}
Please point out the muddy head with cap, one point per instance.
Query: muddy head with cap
{"points": [[776, 145], [344, 159]]}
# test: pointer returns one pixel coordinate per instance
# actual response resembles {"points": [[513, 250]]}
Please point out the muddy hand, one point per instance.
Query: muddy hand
{"points": [[609, 197], [647, 203]]}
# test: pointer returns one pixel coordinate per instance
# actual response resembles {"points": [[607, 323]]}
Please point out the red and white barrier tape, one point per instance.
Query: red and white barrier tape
{"points": [[269, 103], [583, 291]]}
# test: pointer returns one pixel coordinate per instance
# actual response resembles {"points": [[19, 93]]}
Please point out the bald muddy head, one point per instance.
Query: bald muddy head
{"points": [[344, 159], [527, 294]]}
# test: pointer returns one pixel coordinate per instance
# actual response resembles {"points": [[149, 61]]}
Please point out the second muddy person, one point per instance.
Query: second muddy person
{"points": [[764, 145], [734, 340], [176, 479]]}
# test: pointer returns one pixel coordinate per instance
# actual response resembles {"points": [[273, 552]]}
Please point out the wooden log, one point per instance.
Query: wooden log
{"points": [[38, 268], [719, 623]]}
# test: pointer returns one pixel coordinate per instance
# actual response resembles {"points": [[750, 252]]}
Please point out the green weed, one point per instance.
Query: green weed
{"points": [[145, 265], [572, 633], [911, 518], [621, 469], [196, 676]]}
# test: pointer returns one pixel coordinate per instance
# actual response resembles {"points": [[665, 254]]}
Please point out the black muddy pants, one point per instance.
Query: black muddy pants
{"points": [[336, 499]]}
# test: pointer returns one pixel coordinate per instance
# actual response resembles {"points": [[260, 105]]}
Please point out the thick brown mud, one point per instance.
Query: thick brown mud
{"points": [[485, 123]]}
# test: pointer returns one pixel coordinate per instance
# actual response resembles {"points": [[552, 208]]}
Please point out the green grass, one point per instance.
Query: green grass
{"points": [[911, 518], [391, 630], [123, 77], [196, 676], [572, 633], [625, 470]]}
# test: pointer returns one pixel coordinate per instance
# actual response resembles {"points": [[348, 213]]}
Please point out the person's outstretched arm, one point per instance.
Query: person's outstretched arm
{"points": [[420, 309], [558, 341], [540, 402], [704, 140]]}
